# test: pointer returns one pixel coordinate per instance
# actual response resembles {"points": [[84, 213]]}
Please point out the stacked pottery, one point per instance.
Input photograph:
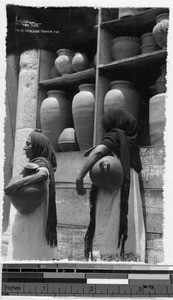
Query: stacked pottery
{"points": [[67, 140], [157, 119], [148, 43], [80, 62], [54, 73], [160, 84], [160, 30], [127, 12], [125, 46], [63, 63], [83, 107], [55, 115], [123, 94]]}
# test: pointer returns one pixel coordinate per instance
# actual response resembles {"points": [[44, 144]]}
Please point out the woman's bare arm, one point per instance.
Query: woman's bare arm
{"points": [[94, 156], [12, 187]]}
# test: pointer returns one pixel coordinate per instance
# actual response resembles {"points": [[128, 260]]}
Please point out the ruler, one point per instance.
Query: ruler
{"points": [[87, 279]]}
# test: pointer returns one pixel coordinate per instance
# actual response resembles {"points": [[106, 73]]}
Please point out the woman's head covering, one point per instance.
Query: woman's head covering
{"points": [[119, 118], [121, 137], [42, 147], [44, 156]]}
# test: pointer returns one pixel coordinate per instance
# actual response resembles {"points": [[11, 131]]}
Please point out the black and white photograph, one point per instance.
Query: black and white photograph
{"points": [[84, 133]]}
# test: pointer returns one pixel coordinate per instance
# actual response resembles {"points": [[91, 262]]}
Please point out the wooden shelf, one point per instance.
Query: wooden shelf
{"points": [[68, 79], [139, 61], [134, 25]]}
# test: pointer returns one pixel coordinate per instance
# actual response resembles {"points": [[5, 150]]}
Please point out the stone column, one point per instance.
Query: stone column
{"points": [[26, 104], [26, 107], [12, 73]]}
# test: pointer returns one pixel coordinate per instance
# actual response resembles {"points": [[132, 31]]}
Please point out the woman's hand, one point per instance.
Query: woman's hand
{"points": [[11, 189], [15, 184], [79, 187]]}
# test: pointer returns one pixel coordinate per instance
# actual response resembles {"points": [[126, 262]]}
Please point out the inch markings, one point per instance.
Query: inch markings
{"points": [[85, 289]]}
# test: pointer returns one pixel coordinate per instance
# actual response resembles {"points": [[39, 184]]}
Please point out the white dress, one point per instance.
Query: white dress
{"points": [[107, 219], [27, 237]]}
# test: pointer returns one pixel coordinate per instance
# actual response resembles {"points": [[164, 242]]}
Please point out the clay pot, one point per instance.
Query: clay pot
{"points": [[29, 168], [107, 173], [124, 47], [146, 48], [160, 83], [63, 63], [55, 115], [160, 30], [29, 197], [80, 62], [157, 119], [83, 106], [127, 12], [67, 140], [54, 73], [148, 43], [123, 94], [147, 38]]}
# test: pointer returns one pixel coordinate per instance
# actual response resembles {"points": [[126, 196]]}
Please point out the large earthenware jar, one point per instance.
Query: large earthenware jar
{"points": [[107, 173], [148, 43], [160, 30], [83, 106], [63, 63], [29, 197], [67, 140], [125, 46], [55, 115], [160, 83], [157, 119], [80, 62], [123, 94]]}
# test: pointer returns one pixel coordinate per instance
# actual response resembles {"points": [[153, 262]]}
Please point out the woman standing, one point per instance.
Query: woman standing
{"points": [[33, 236], [116, 229]]}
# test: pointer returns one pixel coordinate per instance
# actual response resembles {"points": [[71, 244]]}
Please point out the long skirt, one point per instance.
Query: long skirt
{"points": [[27, 239], [105, 241], [27, 236]]}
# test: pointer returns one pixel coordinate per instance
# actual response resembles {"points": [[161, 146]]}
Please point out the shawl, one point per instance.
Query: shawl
{"points": [[44, 156], [121, 139]]}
